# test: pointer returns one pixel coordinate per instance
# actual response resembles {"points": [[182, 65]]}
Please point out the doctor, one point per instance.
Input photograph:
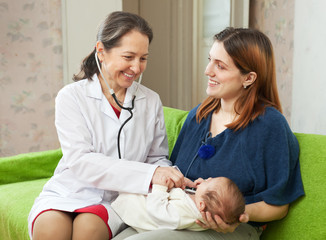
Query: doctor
{"points": [[112, 134]]}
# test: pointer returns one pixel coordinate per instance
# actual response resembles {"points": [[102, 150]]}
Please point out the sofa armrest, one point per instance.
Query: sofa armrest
{"points": [[28, 166]]}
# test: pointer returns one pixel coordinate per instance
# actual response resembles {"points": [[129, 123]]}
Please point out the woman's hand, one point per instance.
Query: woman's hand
{"points": [[217, 224], [168, 176]]}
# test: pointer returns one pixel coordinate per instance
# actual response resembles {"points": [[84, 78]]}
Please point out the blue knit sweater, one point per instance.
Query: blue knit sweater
{"points": [[262, 159]]}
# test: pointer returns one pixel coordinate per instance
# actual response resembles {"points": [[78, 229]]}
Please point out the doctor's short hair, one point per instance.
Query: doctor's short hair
{"points": [[110, 32]]}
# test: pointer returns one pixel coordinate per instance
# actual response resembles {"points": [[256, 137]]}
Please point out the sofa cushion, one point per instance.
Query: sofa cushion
{"points": [[16, 202], [307, 216], [23, 177]]}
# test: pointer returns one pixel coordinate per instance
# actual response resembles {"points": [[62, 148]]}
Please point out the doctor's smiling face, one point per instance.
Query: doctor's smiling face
{"points": [[124, 63]]}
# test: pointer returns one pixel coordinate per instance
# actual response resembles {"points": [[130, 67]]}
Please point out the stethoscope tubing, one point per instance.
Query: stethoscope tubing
{"points": [[204, 143], [129, 109], [124, 123]]}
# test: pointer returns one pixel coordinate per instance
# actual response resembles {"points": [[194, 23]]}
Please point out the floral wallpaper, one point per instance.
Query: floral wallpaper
{"points": [[30, 74], [276, 19], [31, 71]]}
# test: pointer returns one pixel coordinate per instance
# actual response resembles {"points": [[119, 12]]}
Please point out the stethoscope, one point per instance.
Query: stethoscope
{"points": [[205, 151], [129, 109]]}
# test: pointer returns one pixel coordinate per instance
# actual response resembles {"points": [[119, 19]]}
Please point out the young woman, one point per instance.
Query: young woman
{"points": [[239, 132]]}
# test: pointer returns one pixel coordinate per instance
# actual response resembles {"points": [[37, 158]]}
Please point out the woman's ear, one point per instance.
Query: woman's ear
{"points": [[99, 47], [100, 50], [250, 78]]}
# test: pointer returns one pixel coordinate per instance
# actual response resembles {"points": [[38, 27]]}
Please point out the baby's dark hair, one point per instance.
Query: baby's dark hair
{"points": [[226, 202]]}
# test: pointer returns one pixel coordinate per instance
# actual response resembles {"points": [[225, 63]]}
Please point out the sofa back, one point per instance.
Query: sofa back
{"points": [[307, 216], [174, 119], [28, 166]]}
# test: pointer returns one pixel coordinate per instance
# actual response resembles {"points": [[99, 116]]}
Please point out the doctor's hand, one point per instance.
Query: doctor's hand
{"points": [[168, 176], [190, 183]]}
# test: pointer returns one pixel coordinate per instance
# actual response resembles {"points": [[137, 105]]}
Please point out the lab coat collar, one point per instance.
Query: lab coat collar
{"points": [[132, 90], [94, 90]]}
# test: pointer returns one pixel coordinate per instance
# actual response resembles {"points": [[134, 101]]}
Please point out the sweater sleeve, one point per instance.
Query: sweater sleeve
{"points": [[276, 167]]}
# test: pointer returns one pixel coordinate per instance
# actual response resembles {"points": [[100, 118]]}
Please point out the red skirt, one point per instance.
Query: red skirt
{"points": [[98, 210]]}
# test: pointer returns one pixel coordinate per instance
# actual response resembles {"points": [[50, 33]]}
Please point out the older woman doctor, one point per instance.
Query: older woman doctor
{"points": [[112, 134]]}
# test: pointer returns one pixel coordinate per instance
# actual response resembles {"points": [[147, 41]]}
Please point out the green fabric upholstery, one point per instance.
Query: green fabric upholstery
{"points": [[28, 166], [307, 216], [174, 119], [23, 176], [16, 202]]}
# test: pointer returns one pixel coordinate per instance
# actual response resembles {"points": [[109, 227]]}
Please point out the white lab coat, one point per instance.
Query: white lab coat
{"points": [[160, 209], [90, 171]]}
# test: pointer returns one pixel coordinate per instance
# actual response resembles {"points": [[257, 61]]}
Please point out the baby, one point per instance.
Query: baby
{"points": [[177, 209]]}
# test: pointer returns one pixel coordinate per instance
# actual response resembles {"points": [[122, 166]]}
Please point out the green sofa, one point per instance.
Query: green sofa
{"points": [[23, 176]]}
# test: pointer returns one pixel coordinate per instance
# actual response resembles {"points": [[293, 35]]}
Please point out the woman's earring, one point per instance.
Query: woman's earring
{"points": [[244, 86]]}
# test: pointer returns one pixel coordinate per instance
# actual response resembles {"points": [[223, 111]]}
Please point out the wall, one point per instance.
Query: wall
{"points": [[309, 98], [80, 29], [31, 64], [296, 29], [169, 65], [30, 74], [276, 19], [35, 64]]}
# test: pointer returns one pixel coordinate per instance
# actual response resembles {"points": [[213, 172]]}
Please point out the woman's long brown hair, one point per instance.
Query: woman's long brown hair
{"points": [[251, 51]]}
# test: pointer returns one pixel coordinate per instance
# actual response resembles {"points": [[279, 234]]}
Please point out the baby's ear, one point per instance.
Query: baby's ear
{"points": [[201, 205]]}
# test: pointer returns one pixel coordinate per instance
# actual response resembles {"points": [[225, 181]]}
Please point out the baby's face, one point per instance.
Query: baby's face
{"points": [[212, 184]]}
